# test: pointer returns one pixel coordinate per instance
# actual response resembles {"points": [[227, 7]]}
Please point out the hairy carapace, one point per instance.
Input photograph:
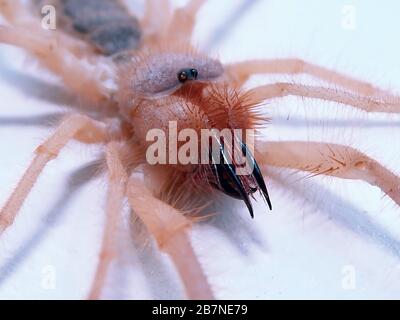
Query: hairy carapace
{"points": [[191, 88]]}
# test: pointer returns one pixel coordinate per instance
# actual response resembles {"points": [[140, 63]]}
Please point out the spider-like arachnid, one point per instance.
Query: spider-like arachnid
{"points": [[88, 73]]}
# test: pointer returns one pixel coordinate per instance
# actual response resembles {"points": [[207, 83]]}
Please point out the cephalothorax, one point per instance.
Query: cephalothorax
{"points": [[146, 74]]}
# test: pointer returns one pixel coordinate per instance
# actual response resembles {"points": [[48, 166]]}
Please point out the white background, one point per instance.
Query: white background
{"points": [[326, 238]]}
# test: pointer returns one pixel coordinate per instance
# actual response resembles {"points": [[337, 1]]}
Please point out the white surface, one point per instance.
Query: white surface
{"points": [[321, 229]]}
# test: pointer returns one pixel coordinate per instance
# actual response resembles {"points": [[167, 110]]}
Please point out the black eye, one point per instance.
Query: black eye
{"points": [[187, 74], [194, 73], [182, 76]]}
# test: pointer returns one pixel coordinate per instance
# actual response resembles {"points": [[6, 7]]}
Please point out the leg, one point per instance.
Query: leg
{"points": [[75, 126], [369, 104], [116, 192], [183, 21], [53, 54], [11, 10], [170, 229], [157, 16], [330, 159], [21, 16], [160, 25], [242, 71]]}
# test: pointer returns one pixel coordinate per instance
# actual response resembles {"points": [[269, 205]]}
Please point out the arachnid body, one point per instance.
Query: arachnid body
{"points": [[150, 75]]}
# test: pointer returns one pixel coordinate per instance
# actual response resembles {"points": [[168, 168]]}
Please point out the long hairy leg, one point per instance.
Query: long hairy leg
{"points": [[366, 103], [157, 16], [27, 18], [183, 21], [79, 127], [330, 159], [11, 10], [170, 229], [68, 57], [241, 72], [162, 24], [78, 75], [117, 177]]}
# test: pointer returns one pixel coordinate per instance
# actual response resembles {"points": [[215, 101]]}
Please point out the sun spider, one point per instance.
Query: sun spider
{"points": [[330, 159]]}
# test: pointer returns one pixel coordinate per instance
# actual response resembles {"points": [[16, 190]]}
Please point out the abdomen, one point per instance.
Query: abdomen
{"points": [[106, 24]]}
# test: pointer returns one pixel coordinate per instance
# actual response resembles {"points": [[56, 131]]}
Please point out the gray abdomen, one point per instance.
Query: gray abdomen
{"points": [[106, 24]]}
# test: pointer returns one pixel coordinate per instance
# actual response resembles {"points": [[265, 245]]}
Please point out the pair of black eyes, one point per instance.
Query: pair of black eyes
{"points": [[187, 74]]}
